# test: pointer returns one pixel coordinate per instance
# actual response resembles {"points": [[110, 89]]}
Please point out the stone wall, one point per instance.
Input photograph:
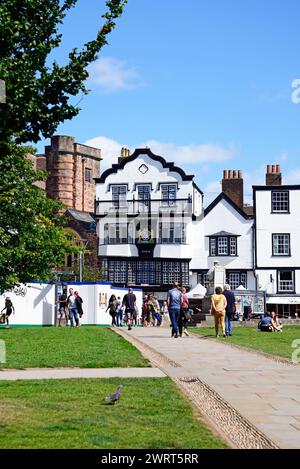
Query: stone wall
{"points": [[70, 165]]}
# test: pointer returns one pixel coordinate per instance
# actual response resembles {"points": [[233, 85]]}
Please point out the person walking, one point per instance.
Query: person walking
{"points": [[120, 313], [63, 307], [230, 309], [9, 309], [151, 309], [174, 306], [129, 301], [79, 302], [164, 311], [218, 310], [145, 321], [182, 321], [113, 309], [72, 307]]}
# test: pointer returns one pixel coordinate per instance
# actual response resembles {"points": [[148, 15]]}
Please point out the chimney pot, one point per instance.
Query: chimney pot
{"points": [[240, 174], [225, 174], [233, 187], [273, 176], [127, 152]]}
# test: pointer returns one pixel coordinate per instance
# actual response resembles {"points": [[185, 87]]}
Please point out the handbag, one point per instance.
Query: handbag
{"points": [[187, 315]]}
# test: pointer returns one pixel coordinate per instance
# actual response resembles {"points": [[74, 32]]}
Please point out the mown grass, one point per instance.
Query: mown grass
{"points": [[84, 347], [279, 344], [70, 414]]}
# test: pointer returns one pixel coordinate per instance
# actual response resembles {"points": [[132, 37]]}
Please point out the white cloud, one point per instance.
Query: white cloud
{"points": [[193, 154], [189, 154], [113, 75], [110, 150]]}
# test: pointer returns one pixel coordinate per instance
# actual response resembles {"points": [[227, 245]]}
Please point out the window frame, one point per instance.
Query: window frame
{"points": [[117, 201], [214, 246], [88, 175], [168, 201], [282, 291], [273, 194], [117, 227], [289, 245], [173, 228]]}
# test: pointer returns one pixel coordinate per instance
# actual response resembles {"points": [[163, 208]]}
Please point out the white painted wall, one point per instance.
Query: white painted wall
{"points": [[156, 174], [268, 223], [223, 217], [37, 307], [131, 175]]}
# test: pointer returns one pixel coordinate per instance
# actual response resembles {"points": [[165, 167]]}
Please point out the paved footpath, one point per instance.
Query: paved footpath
{"points": [[67, 373], [264, 391]]}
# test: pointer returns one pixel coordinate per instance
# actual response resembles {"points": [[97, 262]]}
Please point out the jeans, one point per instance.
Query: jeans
{"points": [[120, 318], [174, 316], [73, 314], [228, 323]]}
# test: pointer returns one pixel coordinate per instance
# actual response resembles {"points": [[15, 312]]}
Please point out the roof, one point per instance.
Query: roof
{"points": [[225, 197], [249, 210], [141, 151], [283, 187], [222, 233], [83, 218]]}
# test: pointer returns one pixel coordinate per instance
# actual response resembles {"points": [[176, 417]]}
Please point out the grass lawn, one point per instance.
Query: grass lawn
{"points": [[71, 414], [84, 347], [279, 344]]}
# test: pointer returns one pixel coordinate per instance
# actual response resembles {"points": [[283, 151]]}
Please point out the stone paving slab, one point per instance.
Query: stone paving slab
{"points": [[263, 390], [67, 373]]}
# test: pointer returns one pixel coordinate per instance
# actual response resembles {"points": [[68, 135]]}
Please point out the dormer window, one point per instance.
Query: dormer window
{"points": [[223, 244]]}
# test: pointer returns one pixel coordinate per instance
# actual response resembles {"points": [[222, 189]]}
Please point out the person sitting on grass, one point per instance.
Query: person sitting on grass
{"points": [[268, 324], [277, 326]]}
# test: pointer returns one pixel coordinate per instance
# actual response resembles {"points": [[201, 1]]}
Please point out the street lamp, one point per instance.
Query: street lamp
{"points": [[81, 260], [2, 92]]}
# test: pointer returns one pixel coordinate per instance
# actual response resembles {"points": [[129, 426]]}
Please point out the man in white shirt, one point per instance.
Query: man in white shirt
{"points": [[73, 310]]}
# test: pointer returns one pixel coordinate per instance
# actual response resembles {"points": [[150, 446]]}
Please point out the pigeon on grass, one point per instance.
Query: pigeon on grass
{"points": [[115, 396]]}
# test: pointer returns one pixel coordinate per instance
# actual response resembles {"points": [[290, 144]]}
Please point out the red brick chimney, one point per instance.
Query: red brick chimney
{"points": [[233, 186], [273, 176]]}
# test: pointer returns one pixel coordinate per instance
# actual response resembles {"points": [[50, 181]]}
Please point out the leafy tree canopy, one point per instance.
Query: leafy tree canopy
{"points": [[38, 95], [32, 238], [38, 99]]}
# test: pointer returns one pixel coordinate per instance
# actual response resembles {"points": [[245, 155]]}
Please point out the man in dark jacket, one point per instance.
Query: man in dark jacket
{"points": [[230, 309], [129, 301]]}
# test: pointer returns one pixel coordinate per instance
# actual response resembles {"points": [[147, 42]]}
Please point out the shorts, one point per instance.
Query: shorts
{"points": [[62, 313], [129, 314], [8, 312]]}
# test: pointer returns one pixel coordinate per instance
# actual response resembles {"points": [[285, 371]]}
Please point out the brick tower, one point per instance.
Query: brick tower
{"points": [[72, 168]]}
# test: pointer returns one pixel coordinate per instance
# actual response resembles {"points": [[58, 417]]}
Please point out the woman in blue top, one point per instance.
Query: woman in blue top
{"points": [[268, 324]]}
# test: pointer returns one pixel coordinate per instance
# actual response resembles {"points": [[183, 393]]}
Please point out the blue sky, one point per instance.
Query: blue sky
{"points": [[205, 83]]}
